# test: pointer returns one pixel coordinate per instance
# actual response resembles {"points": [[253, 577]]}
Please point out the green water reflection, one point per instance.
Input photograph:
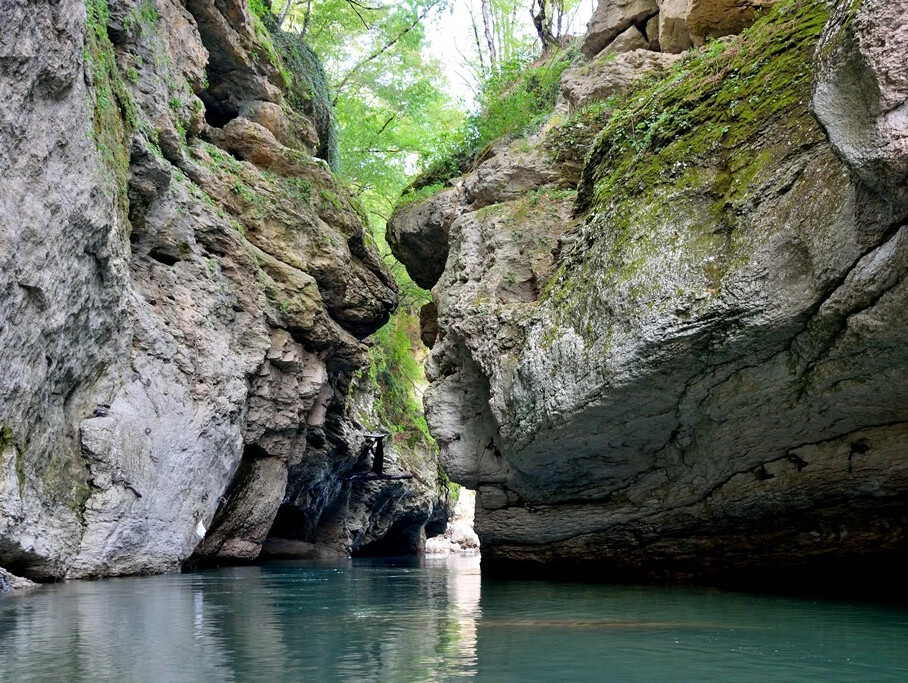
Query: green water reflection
{"points": [[392, 621]]}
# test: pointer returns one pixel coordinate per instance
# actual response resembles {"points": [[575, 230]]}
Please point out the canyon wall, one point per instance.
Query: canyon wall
{"points": [[669, 335], [184, 290]]}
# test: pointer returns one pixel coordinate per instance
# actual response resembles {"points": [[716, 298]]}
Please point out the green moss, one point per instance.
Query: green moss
{"points": [[300, 189], [114, 112], [676, 164], [144, 17], [714, 103], [331, 199], [395, 372]]}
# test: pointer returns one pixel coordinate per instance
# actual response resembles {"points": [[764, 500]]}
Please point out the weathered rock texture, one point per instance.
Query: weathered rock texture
{"points": [[391, 517], [670, 26], [11, 582], [183, 287], [613, 18], [706, 19], [705, 371]]}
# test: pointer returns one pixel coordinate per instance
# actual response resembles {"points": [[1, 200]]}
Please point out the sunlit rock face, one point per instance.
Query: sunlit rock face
{"points": [[698, 366], [184, 287]]}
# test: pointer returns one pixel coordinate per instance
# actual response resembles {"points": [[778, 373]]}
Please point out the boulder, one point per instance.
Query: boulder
{"points": [[612, 18], [509, 173], [418, 235], [428, 324], [631, 39], [674, 36], [652, 33]]}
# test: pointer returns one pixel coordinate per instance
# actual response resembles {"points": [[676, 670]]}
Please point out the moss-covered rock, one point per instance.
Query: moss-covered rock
{"points": [[720, 324]]}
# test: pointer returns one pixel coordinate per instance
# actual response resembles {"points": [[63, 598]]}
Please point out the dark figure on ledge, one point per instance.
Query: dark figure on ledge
{"points": [[375, 446]]}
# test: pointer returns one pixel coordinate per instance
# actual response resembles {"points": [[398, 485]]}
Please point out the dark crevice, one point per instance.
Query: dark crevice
{"points": [[162, 256], [217, 112]]}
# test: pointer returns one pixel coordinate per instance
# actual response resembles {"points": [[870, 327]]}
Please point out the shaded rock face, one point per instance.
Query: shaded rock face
{"points": [[391, 517], [419, 232], [183, 290], [708, 376]]}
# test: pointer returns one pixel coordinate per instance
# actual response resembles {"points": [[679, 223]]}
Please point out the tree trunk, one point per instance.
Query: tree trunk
{"points": [[490, 41]]}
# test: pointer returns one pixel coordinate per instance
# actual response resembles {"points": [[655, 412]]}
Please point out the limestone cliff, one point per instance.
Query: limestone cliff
{"points": [[685, 355], [184, 287]]}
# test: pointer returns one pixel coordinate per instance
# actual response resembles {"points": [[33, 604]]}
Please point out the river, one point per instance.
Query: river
{"points": [[369, 620]]}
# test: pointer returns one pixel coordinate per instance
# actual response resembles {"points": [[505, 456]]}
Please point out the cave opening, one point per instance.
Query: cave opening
{"points": [[404, 537]]}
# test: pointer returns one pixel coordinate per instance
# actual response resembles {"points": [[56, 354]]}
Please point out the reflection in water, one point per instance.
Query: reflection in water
{"points": [[393, 621]]}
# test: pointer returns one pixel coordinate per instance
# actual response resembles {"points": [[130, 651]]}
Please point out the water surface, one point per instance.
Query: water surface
{"points": [[411, 621]]}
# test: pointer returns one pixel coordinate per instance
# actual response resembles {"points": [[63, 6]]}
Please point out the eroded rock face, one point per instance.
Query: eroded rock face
{"points": [[11, 582], [674, 35], [183, 290], [708, 19], [709, 376], [861, 97], [355, 516]]}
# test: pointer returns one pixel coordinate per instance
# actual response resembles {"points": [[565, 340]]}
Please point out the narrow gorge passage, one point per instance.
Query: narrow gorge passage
{"points": [[305, 303]]}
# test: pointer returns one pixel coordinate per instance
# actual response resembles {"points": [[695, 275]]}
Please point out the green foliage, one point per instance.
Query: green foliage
{"points": [[514, 102], [571, 139], [301, 189], [397, 374], [390, 110], [114, 112]]}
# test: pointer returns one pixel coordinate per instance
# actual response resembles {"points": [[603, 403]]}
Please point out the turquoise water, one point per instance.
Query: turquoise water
{"points": [[374, 621]]}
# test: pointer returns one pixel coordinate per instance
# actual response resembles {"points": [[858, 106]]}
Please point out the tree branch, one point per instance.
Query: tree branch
{"points": [[381, 50]]}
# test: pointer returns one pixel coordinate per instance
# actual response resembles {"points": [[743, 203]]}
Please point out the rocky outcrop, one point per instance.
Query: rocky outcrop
{"points": [[357, 516], [862, 90], [674, 36], [10, 582], [183, 287], [670, 26], [703, 373], [419, 232], [611, 74], [613, 18]]}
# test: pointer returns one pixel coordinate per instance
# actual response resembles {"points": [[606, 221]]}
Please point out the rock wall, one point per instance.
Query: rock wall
{"points": [[694, 365], [184, 287]]}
